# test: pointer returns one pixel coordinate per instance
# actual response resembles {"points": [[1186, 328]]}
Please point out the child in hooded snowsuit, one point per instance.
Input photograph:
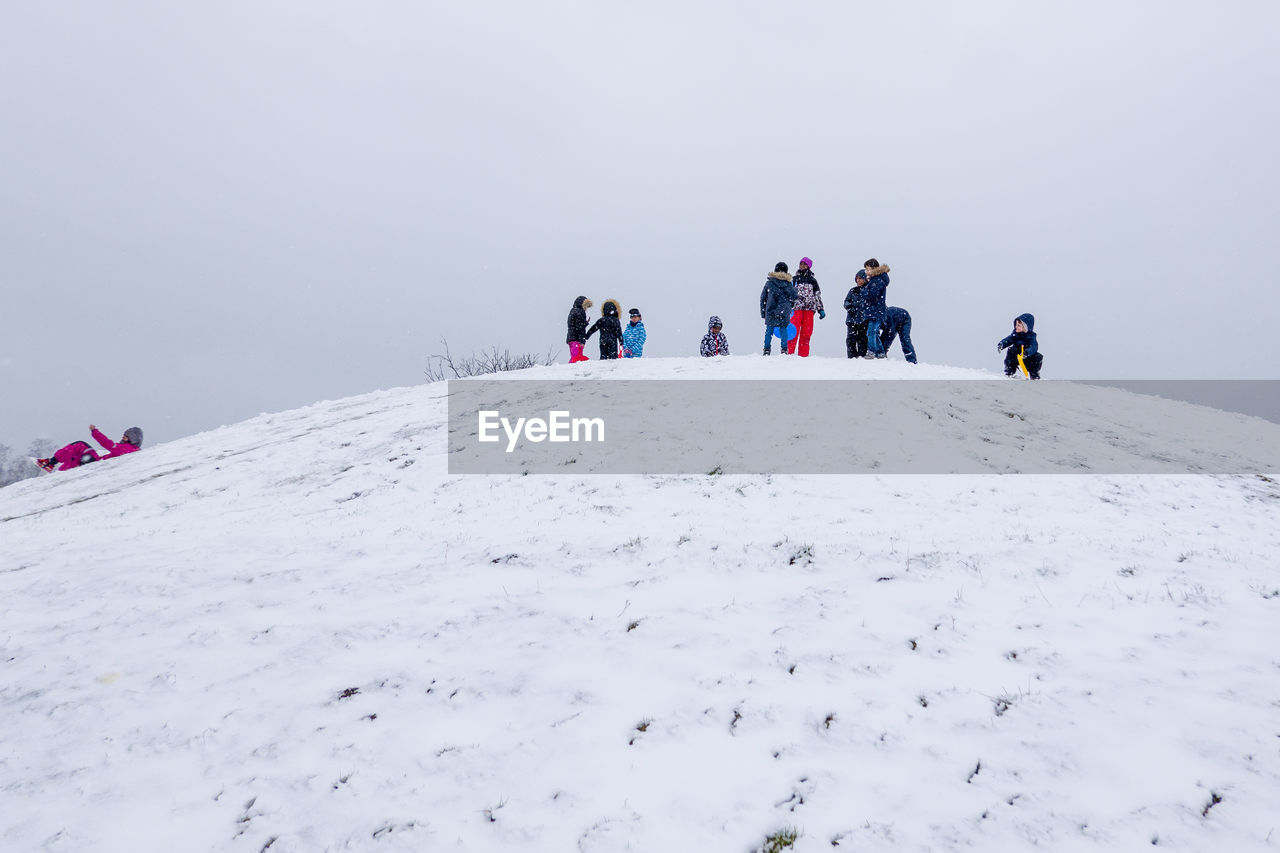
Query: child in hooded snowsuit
{"points": [[79, 453], [808, 302], [897, 323], [855, 321], [577, 337], [776, 299], [714, 342], [1022, 342], [610, 329], [633, 335]]}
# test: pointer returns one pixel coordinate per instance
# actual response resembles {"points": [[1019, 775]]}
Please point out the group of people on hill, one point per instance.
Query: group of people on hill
{"points": [[789, 305], [616, 341]]}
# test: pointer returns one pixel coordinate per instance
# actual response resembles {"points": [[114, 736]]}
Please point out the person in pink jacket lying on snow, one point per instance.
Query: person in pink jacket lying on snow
{"points": [[79, 453]]}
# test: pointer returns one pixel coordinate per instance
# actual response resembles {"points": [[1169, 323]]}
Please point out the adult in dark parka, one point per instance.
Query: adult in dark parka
{"points": [[776, 299], [874, 296]]}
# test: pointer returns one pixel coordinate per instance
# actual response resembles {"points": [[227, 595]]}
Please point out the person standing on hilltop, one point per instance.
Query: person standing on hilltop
{"points": [[577, 337], [776, 299], [808, 302], [874, 296], [633, 335], [855, 321], [610, 329]]}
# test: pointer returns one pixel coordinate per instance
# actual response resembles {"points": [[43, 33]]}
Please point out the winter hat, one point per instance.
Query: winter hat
{"points": [[133, 435], [634, 312], [805, 262], [780, 266], [861, 275]]}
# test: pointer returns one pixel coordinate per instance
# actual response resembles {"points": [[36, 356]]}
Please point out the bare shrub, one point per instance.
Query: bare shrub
{"points": [[492, 360]]}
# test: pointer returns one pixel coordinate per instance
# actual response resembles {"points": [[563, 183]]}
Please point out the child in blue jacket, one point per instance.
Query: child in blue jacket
{"points": [[1022, 342], [633, 335]]}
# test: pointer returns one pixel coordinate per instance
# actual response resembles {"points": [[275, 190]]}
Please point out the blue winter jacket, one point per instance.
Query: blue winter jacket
{"points": [[776, 299], [873, 293], [895, 319], [633, 339], [1023, 339]]}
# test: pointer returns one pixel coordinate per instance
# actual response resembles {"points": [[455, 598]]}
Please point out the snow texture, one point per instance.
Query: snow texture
{"points": [[299, 633]]}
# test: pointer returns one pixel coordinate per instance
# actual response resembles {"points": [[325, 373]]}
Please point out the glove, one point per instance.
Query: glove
{"points": [[822, 315], [999, 347]]}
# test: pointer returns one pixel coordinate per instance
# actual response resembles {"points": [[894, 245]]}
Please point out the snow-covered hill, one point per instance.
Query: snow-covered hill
{"points": [[299, 633]]}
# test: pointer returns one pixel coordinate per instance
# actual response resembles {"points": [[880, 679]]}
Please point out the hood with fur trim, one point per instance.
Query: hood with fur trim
{"points": [[612, 308]]}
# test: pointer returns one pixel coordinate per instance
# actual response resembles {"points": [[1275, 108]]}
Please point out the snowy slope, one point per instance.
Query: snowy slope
{"points": [[299, 634]]}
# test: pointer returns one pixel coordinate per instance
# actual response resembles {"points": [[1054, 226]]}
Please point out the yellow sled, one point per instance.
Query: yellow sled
{"points": [[1022, 364]]}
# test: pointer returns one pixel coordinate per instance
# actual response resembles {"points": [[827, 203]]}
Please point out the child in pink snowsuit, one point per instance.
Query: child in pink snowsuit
{"points": [[79, 453]]}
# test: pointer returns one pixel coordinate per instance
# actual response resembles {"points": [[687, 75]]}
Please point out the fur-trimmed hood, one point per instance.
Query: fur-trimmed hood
{"points": [[582, 302], [780, 276], [883, 269], [612, 308]]}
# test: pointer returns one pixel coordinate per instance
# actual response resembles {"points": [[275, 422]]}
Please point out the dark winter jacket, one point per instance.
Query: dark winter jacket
{"points": [[808, 294], [578, 321], [895, 320], [855, 304], [609, 328], [776, 299], [1027, 339], [714, 343], [873, 293]]}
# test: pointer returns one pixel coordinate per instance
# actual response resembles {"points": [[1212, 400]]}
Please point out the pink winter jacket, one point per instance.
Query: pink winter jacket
{"points": [[113, 448]]}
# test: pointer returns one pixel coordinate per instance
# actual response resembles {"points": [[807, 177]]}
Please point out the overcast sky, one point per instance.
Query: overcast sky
{"points": [[209, 211]]}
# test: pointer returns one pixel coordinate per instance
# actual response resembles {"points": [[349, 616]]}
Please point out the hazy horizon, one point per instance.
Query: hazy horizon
{"points": [[214, 212]]}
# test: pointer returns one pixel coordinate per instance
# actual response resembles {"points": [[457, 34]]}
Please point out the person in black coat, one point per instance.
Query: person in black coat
{"points": [[610, 329], [855, 320], [577, 336]]}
